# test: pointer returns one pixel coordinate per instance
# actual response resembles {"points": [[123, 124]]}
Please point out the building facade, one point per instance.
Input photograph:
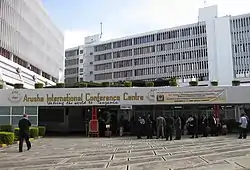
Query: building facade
{"points": [[31, 46], [213, 49]]}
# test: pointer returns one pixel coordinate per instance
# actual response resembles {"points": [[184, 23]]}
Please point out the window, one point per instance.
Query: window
{"points": [[81, 51], [81, 69], [90, 53], [81, 60], [91, 63]]}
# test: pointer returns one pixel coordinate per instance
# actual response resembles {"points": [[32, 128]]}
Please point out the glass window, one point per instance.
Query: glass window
{"points": [[4, 110], [4, 120], [31, 110], [33, 120], [19, 110]]}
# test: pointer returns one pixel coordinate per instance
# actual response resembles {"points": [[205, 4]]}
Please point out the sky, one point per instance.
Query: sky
{"points": [[80, 18]]}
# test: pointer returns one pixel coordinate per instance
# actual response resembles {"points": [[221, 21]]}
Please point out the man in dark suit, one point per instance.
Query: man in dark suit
{"points": [[24, 125]]}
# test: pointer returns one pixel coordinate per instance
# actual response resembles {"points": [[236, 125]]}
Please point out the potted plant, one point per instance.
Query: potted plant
{"points": [[235, 83], [214, 83], [193, 83], [38, 85], [18, 86], [128, 84], [172, 82]]}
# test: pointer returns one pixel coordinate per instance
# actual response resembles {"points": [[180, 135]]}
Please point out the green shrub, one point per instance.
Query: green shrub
{"points": [[149, 84], [6, 128], [42, 130], [18, 86], [60, 85], [214, 83], [1, 86], [38, 85], [6, 138], [105, 84], [128, 84], [235, 83], [34, 132], [82, 84], [193, 83], [16, 133]]}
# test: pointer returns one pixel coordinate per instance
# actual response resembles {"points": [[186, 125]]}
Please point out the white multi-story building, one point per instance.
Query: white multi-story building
{"points": [[213, 49], [31, 46]]}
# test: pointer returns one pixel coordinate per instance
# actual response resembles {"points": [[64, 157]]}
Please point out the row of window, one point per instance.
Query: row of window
{"points": [[18, 60], [187, 55], [182, 44], [194, 30], [178, 69], [124, 53], [241, 48], [241, 22], [182, 32], [241, 35], [122, 43], [144, 50], [101, 57], [71, 71], [72, 53], [71, 62]]}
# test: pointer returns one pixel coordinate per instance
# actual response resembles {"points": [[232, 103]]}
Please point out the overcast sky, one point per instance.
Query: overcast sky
{"points": [[80, 18]]}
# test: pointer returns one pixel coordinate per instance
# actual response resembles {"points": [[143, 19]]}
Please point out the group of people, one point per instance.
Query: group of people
{"points": [[164, 127]]}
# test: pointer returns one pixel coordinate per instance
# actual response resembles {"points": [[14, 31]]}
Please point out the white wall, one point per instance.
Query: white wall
{"points": [[225, 72], [208, 14]]}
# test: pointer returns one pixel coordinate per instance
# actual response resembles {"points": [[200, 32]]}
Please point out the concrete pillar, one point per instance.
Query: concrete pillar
{"points": [[11, 56]]}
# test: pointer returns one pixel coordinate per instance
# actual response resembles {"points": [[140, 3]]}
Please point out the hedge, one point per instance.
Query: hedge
{"points": [[1, 86], [6, 138], [193, 83], [38, 85], [128, 84], [60, 85], [149, 84], [34, 132], [105, 84], [173, 83], [42, 130], [6, 128]]}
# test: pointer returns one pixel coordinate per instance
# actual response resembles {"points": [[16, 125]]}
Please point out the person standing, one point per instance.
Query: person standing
{"points": [[149, 127], [178, 126], [140, 126], [24, 125], [205, 126], [169, 127], [243, 126], [160, 123], [121, 129]]}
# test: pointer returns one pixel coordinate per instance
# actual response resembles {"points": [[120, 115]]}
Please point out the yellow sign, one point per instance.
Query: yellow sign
{"points": [[191, 96]]}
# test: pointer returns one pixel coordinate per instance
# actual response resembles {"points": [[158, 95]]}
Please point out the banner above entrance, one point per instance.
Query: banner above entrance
{"points": [[124, 96]]}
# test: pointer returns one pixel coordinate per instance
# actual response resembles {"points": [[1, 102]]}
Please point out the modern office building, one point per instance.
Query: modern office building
{"points": [[213, 49], [78, 61], [31, 46]]}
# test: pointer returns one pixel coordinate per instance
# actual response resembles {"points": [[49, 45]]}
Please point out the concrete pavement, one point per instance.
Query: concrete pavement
{"points": [[223, 153]]}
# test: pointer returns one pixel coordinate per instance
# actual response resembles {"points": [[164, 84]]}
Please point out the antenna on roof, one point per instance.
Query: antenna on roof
{"points": [[101, 30]]}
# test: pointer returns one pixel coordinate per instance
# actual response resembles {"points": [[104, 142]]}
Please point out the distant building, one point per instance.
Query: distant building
{"points": [[31, 46], [213, 49]]}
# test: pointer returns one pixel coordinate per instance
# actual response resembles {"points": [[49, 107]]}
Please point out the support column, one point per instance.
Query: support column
{"points": [[217, 111], [94, 124]]}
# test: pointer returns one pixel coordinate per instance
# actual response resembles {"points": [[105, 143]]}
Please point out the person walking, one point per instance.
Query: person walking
{"points": [[243, 126], [24, 125], [160, 123], [140, 126]]}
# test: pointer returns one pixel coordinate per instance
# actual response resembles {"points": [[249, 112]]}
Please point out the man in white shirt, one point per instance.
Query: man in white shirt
{"points": [[243, 126]]}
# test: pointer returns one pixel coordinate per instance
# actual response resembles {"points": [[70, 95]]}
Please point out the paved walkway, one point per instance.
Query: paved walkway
{"points": [[218, 153]]}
